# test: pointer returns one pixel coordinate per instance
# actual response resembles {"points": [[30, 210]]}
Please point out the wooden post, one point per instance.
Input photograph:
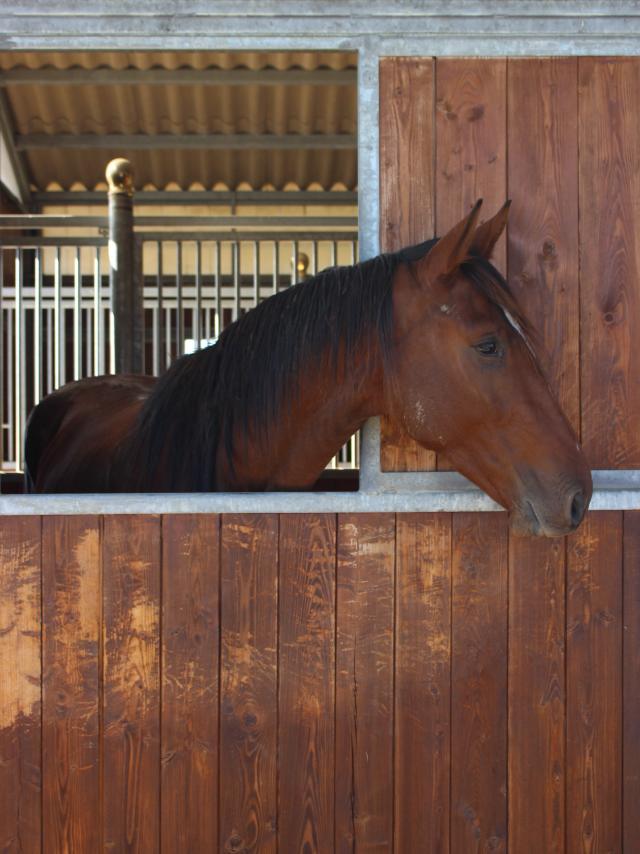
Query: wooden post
{"points": [[124, 269]]}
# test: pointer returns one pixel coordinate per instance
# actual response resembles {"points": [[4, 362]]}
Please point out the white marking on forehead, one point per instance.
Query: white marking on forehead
{"points": [[445, 309], [513, 322]]}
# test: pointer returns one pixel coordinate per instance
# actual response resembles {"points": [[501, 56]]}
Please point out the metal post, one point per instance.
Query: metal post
{"points": [[124, 274]]}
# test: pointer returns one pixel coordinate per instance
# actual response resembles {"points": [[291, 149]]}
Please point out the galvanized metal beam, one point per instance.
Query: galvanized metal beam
{"points": [[168, 142], [16, 161], [211, 198], [70, 221], [49, 76]]}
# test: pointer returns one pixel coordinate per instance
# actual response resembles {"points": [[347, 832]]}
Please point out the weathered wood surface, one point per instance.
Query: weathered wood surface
{"points": [[559, 136], [310, 683]]}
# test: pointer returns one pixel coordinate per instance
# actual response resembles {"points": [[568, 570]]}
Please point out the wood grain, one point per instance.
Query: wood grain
{"points": [[543, 220], [479, 683], [364, 683], [20, 694], [422, 682], [406, 199], [249, 680], [71, 591], [609, 143], [131, 559], [307, 683], [189, 749], [536, 695], [594, 684], [631, 682]]}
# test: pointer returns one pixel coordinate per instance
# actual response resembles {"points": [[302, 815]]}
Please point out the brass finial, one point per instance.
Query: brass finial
{"points": [[120, 176]]}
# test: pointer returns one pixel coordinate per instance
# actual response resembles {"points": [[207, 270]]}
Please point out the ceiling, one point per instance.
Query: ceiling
{"points": [[271, 120]]}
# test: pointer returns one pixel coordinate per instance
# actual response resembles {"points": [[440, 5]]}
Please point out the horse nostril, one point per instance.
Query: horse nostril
{"points": [[577, 508]]}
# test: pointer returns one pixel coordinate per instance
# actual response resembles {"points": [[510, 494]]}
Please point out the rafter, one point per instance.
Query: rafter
{"points": [[168, 142]]}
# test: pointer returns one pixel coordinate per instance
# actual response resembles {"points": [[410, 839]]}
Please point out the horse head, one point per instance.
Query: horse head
{"points": [[465, 380]]}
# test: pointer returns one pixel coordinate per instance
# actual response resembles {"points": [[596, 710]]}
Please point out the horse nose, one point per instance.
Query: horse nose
{"points": [[577, 508]]}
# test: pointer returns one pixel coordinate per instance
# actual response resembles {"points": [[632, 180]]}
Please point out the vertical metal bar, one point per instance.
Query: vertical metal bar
{"points": [[294, 261], [98, 317], [17, 356], [88, 359], [256, 272], [197, 320], [353, 252], [276, 266], [10, 383], [314, 257], [77, 317], [2, 384], [167, 316], [57, 319], [158, 349], [334, 253], [37, 329], [235, 262], [179, 308], [50, 357], [218, 274]]}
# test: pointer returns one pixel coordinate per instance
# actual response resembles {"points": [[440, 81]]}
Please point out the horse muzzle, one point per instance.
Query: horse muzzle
{"points": [[552, 515]]}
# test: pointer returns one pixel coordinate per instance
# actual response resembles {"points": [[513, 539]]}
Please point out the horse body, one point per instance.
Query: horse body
{"points": [[431, 336]]}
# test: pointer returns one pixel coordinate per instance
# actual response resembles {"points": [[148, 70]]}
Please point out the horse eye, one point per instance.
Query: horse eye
{"points": [[489, 347]]}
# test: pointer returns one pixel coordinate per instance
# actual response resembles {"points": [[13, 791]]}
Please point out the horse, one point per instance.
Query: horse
{"points": [[431, 336]]}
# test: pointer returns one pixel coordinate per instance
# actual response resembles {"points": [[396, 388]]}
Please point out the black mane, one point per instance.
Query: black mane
{"points": [[243, 378]]}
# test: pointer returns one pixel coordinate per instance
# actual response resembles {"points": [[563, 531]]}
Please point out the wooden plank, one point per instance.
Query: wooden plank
{"points": [[594, 684], [189, 751], [20, 673], [307, 683], [132, 563], [631, 682], [422, 683], [479, 683], [536, 695], [406, 198], [471, 139], [249, 683], [364, 683], [71, 591], [543, 221], [609, 260]]}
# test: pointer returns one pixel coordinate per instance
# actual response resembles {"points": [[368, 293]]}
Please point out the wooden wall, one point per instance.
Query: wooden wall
{"points": [[561, 138], [313, 683]]}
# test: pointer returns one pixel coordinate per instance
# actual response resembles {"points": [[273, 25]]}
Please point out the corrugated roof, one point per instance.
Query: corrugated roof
{"points": [[173, 109]]}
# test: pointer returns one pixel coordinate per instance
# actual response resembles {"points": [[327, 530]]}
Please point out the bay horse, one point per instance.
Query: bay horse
{"points": [[431, 336]]}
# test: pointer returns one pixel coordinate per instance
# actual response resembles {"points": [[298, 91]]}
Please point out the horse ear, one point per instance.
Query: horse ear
{"points": [[452, 249], [487, 234]]}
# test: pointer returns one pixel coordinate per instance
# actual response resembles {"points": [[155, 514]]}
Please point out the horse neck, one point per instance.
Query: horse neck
{"points": [[315, 422]]}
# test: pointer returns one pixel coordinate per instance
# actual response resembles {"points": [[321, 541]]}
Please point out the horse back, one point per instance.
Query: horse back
{"points": [[74, 435]]}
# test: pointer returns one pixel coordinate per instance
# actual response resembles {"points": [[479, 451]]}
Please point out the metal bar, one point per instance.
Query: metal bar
{"points": [[77, 317], [189, 141], [157, 314], [31, 241], [314, 258], [294, 262], [50, 357], [334, 253], [218, 283], [167, 337], [256, 272], [167, 198], [37, 329], [276, 266], [197, 320], [235, 265], [2, 384], [17, 357], [177, 77], [57, 319], [10, 381], [179, 305], [98, 317], [241, 236], [88, 361], [37, 221]]}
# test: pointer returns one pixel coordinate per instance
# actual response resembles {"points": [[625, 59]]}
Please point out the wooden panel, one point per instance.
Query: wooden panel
{"points": [[20, 672], [536, 695], [479, 683], [131, 561], [543, 221], [71, 590], [189, 751], [422, 682], [406, 197], [249, 674], [594, 684], [471, 161], [364, 683], [631, 682], [307, 683], [609, 260]]}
